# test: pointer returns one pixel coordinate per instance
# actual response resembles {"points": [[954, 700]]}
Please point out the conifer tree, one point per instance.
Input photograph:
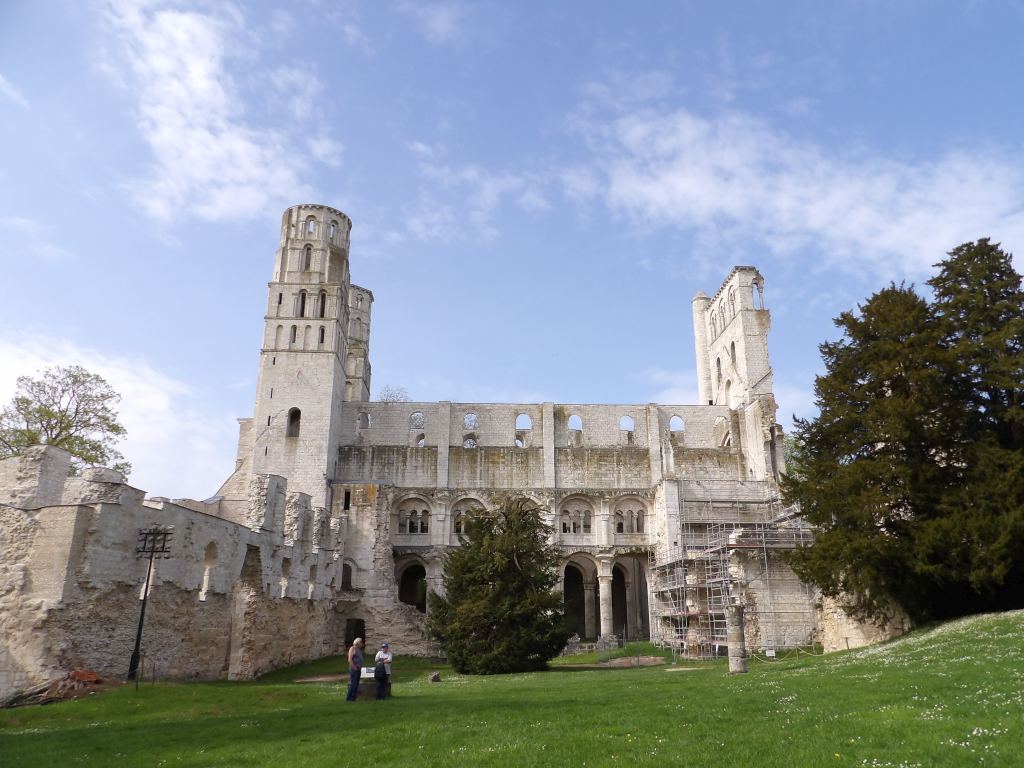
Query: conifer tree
{"points": [[500, 611], [913, 472]]}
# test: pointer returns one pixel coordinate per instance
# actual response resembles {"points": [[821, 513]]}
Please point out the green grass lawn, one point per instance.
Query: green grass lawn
{"points": [[952, 695]]}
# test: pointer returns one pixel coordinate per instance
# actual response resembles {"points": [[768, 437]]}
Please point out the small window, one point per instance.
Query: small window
{"points": [[364, 420], [334, 229], [626, 424], [421, 441], [523, 421], [575, 423], [280, 298], [302, 303], [294, 333], [294, 422], [310, 226], [307, 258], [346, 576], [470, 421], [520, 443], [323, 304], [322, 332], [732, 352], [732, 302], [469, 442], [714, 325], [718, 368], [675, 424], [347, 502], [417, 420]]}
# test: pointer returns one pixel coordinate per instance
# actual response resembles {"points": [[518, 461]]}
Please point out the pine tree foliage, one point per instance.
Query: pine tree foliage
{"points": [[500, 611], [913, 471], [67, 407]]}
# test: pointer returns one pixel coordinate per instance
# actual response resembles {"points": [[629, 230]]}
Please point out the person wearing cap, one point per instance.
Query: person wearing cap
{"points": [[355, 668], [382, 670]]}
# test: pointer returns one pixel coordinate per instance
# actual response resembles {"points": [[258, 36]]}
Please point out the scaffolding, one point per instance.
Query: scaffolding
{"points": [[727, 552]]}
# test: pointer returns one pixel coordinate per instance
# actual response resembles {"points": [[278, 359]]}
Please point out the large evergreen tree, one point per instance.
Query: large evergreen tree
{"points": [[500, 611], [913, 471]]}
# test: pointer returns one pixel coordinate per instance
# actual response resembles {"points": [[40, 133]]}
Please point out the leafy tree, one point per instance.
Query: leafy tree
{"points": [[500, 612], [913, 471], [67, 407]]}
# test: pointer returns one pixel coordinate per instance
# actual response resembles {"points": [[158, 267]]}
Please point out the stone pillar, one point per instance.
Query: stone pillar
{"points": [[605, 594], [735, 637], [589, 629], [444, 418], [629, 631], [548, 442]]}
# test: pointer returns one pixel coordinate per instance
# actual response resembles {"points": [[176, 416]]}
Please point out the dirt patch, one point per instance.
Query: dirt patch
{"points": [[621, 662]]}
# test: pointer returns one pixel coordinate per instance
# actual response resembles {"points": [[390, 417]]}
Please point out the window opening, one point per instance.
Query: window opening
{"points": [[307, 258], [675, 424], [523, 421], [575, 423], [417, 420], [302, 303], [626, 424], [364, 420], [323, 304], [347, 502], [470, 421], [294, 422]]}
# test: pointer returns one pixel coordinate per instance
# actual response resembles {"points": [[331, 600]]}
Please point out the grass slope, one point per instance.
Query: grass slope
{"points": [[947, 696]]}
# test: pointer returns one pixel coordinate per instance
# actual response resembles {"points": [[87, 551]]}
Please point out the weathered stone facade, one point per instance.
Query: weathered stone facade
{"points": [[339, 509]]}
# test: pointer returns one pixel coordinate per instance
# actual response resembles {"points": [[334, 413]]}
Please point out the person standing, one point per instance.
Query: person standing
{"points": [[382, 670], [355, 668]]}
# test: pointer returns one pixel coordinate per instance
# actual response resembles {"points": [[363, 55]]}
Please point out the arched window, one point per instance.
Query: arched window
{"points": [[425, 521], [470, 421], [322, 332], [417, 420], [469, 442], [323, 304], [294, 422], [310, 226], [421, 440], [520, 443], [302, 303], [714, 325], [732, 352], [523, 421], [718, 368], [307, 258], [575, 423], [457, 524], [334, 229], [364, 420], [209, 560], [675, 424], [728, 393], [757, 295], [294, 334], [732, 302], [620, 522], [626, 424]]}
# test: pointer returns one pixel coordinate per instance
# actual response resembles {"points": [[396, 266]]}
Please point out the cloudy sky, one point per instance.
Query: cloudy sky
{"points": [[537, 189]]}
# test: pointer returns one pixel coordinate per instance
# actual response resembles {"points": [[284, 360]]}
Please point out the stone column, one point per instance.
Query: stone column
{"points": [[588, 609], [629, 630], [736, 640], [548, 442], [605, 593]]}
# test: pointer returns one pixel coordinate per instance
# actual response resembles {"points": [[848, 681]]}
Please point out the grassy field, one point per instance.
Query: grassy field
{"points": [[953, 695]]}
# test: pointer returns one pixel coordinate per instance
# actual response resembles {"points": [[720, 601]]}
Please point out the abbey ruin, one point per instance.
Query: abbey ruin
{"points": [[339, 512]]}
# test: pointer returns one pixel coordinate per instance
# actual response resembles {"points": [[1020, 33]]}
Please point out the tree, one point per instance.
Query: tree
{"points": [[67, 407], [500, 611], [912, 472], [389, 394]]}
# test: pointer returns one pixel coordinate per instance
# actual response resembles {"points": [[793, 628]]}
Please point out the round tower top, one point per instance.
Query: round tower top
{"points": [[309, 221]]}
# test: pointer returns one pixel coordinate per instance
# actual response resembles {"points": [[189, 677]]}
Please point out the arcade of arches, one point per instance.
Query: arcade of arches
{"points": [[606, 597]]}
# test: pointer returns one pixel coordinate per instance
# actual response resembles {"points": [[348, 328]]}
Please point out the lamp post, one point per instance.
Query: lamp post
{"points": [[152, 541]]}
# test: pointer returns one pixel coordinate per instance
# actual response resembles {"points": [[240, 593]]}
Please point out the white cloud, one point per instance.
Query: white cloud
{"points": [[326, 150], [439, 23], [24, 238], [10, 91], [207, 160], [672, 387], [298, 87], [177, 446], [735, 179]]}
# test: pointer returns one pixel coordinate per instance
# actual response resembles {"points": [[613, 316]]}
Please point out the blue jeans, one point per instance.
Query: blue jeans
{"points": [[353, 684]]}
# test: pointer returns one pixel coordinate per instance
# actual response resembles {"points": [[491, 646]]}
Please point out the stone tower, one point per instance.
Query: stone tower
{"points": [[302, 378], [731, 343]]}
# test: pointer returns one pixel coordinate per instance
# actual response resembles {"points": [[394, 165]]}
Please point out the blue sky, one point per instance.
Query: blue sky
{"points": [[537, 189]]}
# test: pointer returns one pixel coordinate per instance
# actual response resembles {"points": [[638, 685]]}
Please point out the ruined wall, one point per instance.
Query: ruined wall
{"points": [[839, 632]]}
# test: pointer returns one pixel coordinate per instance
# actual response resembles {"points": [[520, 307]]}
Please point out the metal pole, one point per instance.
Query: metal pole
{"points": [[133, 665]]}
